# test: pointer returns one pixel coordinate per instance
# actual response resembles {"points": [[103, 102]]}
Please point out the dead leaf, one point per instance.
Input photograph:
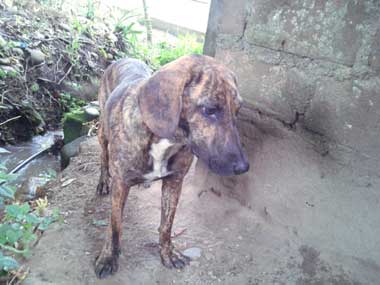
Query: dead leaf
{"points": [[68, 182]]}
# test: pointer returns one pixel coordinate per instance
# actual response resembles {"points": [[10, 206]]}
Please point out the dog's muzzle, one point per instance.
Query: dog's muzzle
{"points": [[228, 167]]}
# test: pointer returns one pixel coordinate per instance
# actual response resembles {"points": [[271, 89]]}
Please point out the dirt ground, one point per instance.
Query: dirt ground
{"points": [[298, 217]]}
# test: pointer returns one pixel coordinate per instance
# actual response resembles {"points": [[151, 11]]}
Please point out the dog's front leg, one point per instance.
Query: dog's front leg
{"points": [[103, 185], [171, 191], [107, 261]]}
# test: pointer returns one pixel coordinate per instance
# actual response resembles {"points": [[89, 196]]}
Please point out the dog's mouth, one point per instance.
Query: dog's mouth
{"points": [[227, 168], [220, 166]]}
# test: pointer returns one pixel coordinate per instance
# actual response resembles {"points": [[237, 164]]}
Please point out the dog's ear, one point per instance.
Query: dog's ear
{"points": [[160, 100]]}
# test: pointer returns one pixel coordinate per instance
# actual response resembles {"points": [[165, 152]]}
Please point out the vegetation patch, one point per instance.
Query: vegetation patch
{"points": [[21, 226]]}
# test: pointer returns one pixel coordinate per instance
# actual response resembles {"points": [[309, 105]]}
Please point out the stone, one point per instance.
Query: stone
{"points": [[70, 150], [74, 124], [17, 52], [3, 42], [8, 69], [92, 111], [193, 252], [34, 187], [5, 61], [64, 27], [36, 56]]}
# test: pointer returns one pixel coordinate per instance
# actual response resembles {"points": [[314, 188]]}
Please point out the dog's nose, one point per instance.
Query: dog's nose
{"points": [[241, 167]]}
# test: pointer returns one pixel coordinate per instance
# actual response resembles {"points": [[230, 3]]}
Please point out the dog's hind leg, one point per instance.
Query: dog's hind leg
{"points": [[103, 185], [171, 191], [107, 262]]}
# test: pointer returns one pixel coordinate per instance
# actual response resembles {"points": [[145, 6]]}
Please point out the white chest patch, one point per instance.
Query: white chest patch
{"points": [[160, 153]]}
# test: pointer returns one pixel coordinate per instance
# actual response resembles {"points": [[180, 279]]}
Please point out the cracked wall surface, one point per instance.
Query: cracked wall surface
{"points": [[312, 64]]}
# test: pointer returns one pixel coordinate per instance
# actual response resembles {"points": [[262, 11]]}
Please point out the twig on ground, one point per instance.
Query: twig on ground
{"points": [[11, 119], [46, 80], [3, 94], [51, 96], [34, 67], [65, 75]]}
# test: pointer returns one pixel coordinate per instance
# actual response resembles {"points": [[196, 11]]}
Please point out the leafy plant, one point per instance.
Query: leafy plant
{"points": [[70, 103], [6, 191], [72, 50], [90, 9], [35, 87], [7, 73], [165, 52], [42, 204], [123, 17], [124, 22], [187, 44], [20, 225]]}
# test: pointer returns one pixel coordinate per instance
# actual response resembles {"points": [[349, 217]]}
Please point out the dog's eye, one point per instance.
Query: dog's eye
{"points": [[209, 111]]}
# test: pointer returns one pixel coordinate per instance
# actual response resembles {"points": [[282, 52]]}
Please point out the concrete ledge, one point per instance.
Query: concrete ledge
{"points": [[175, 29]]}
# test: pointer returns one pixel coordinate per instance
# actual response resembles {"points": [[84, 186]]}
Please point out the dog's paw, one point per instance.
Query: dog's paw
{"points": [[174, 259], [106, 266], [102, 189]]}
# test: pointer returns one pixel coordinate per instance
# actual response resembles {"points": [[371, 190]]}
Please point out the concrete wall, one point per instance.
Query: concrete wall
{"points": [[311, 64], [309, 73]]}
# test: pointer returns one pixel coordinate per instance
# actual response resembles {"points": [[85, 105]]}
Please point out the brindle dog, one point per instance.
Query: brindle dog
{"points": [[150, 128]]}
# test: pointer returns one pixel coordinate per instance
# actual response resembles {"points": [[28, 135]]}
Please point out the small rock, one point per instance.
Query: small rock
{"points": [[193, 252], [17, 52], [92, 111], [64, 27], [112, 37], [5, 61], [70, 150], [3, 42], [34, 187], [8, 69], [39, 36], [36, 56]]}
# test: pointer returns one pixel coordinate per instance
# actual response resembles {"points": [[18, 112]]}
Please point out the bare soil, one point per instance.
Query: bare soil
{"points": [[296, 218]]}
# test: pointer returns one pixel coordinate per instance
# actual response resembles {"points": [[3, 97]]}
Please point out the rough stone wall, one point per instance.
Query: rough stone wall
{"points": [[313, 65]]}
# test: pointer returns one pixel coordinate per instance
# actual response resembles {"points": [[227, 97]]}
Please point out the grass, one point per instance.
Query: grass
{"points": [[163, 52], [187, 44]]}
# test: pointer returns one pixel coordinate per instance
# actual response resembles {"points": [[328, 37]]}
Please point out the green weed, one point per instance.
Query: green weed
{"points": [[70, 103], [19, 225]]}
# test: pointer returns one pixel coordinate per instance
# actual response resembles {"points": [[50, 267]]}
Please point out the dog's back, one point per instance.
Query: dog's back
{"points": [[122, 73]]}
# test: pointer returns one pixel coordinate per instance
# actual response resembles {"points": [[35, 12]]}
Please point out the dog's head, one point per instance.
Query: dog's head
{"points": [[199, 95]]}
